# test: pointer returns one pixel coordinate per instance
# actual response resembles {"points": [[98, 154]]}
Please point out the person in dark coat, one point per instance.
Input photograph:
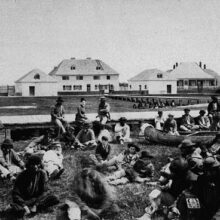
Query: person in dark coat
{"points": [[207, 189], [213, 106], [30, 194], [81, 115]]}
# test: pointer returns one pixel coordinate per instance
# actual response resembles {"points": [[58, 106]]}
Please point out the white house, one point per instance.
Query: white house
{"points": [[153, 81], [85, 75], [192, 77], [36, 83]]}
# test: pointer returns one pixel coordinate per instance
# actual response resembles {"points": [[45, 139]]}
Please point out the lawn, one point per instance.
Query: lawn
{"points": [[42, 105], [132, 198]]}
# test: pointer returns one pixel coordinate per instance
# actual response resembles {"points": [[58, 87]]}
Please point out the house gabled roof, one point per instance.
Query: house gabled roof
{"points": [[152, 75], [212, 73], [30, 77], [190, 71], [83, 67]]}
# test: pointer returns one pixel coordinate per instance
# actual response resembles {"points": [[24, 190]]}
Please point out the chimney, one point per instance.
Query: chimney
{"points": [[200, 64], [174, 66], [204, 67]]}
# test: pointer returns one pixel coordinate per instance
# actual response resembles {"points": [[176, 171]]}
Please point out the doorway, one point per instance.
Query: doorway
{"points": [[32, 90], [88, 87], [169, 89]]}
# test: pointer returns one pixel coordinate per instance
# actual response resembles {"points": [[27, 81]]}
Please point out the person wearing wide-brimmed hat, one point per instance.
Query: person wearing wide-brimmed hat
{"points": [[187, 122], [122, 131], [103, 110], [170, 125], [159, 120], [85, 139], [203, 120], [10, 162], [57, 114], [30, 194]]}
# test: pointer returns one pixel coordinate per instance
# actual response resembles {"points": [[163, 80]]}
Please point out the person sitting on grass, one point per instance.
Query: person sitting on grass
{"points": [[142, 170], [57, 115], [102, 151], [53, 161], [81, 115], [93, 195], [122, 131], [40, 144], [170, 125], [123, 161], [30, 194], [203, 121], [187, 122], [10, 162], [159, 121], [85, 139]]}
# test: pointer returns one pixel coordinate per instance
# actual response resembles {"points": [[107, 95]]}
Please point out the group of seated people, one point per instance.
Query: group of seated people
{"points": [[189, 186], [187, 122]]}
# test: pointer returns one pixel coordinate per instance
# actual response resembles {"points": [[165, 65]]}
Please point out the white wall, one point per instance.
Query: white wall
{"points": [[154, 87], [41, 89], [114, 80]]}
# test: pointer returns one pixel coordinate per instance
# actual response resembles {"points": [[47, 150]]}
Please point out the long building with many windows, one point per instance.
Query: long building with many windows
{"points": [[85, 75]]}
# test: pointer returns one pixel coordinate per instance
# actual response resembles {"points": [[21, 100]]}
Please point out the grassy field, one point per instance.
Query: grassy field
{"points": [[130, 201], [42, 105]]}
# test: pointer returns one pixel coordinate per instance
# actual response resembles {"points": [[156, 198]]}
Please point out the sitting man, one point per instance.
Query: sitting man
{"points": [[203, 121], [159, 121], [170, 125], [57, 115], [40, 144], [10, 163], [123, 161], [102, 151], [142, 170], [86, 137], [187, 122], [53, 161], [122, 131], [93, 195], [29, 194]]}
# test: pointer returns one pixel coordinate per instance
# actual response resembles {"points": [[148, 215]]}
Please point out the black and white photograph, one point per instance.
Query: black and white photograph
{"points": [[109, 109]]}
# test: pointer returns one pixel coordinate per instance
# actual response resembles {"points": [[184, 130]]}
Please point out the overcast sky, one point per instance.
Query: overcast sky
{"points": [[129, 35]]}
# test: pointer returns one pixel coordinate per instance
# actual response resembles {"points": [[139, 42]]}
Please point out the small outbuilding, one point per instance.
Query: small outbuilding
{"points": [[153, 81], [36, 83]]}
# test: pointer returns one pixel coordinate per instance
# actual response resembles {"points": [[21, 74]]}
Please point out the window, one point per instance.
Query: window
{"points": [[67, 88], [108, 77], [96, 77], [192, 83], [185, 82], [211, 83], [77, 87], [130, 86], [145, 87], [37, 76], [72, 67], [79, 77], [96, 87], [98, 68], [159, 75], [65, 78]]}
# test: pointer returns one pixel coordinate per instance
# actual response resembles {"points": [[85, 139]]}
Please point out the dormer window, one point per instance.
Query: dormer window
{"points": [[98, 68], [37, 76], [72, 67], [159, 75]]}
